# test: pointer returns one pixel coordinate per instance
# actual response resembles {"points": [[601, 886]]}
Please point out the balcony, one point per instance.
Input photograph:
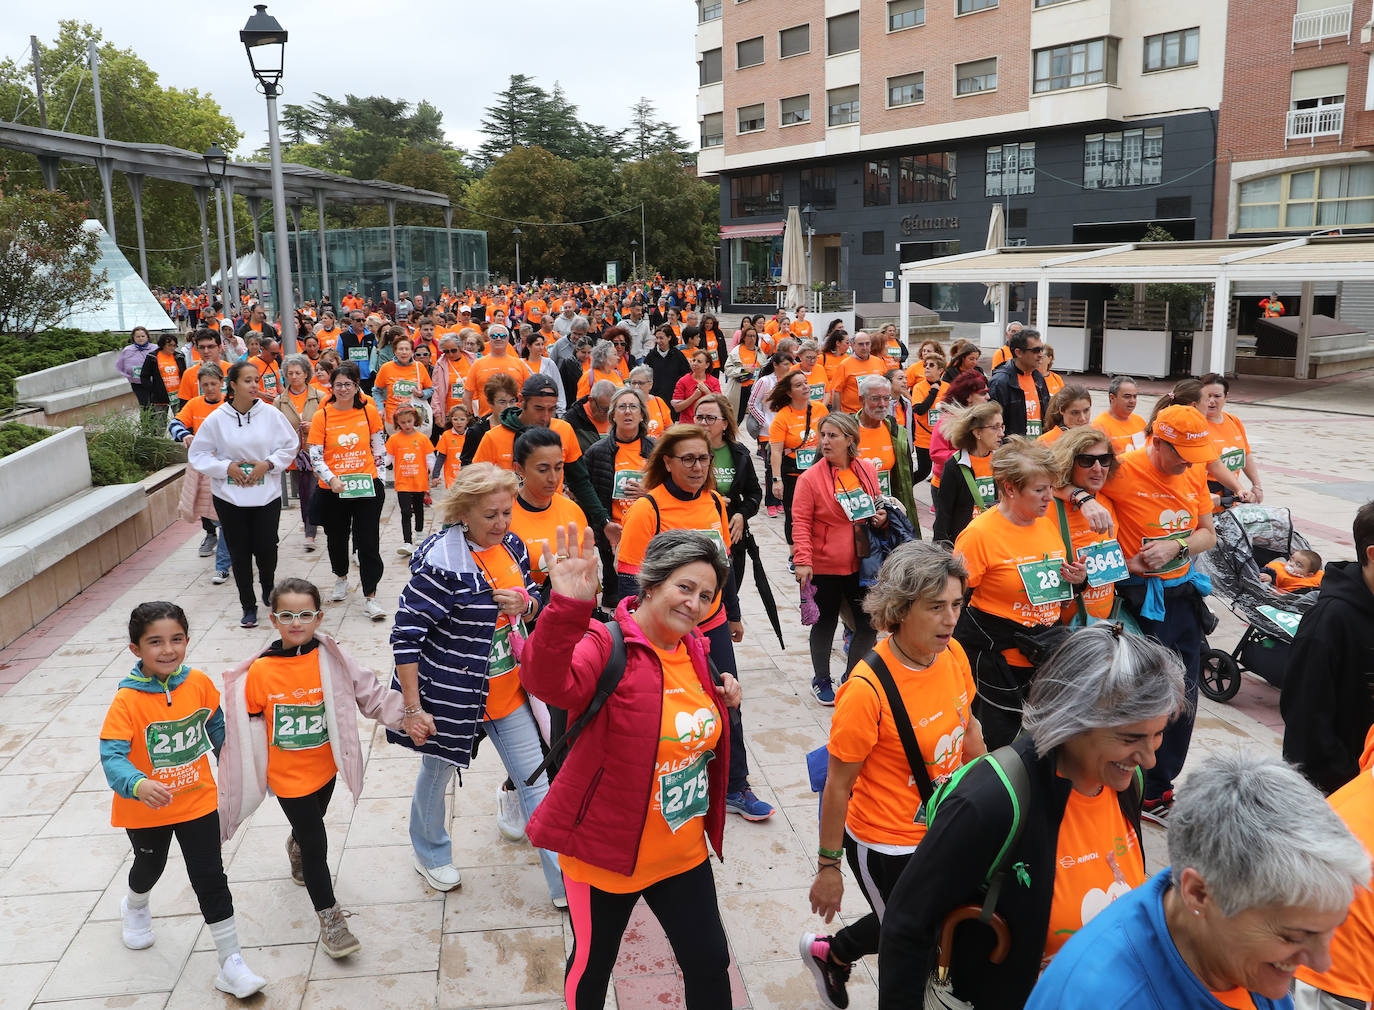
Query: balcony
{"points": [[1319, 25], [1309, 124]]}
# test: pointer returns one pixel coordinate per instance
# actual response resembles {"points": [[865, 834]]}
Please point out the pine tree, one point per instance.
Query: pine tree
{"points": [[510, 120]]}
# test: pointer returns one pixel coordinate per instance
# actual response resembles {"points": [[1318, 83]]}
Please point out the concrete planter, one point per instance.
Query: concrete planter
{"points": [[77, 391]]}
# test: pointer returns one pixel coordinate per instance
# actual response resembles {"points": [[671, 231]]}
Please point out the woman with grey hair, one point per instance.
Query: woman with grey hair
{"points": [[1261, 873], [872, 808], [604, 365], [662, 724], [1070, 833]]}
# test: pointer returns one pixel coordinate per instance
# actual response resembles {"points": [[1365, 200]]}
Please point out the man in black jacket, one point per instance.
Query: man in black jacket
{"points": [[1327, 698], [1020, 388]]}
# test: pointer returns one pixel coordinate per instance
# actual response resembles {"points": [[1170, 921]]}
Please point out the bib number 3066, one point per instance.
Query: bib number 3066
{"points": [[684, 794]]}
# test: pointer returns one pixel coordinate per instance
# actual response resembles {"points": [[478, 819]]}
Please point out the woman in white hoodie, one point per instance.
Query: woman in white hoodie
{"points": [[242, 450]]}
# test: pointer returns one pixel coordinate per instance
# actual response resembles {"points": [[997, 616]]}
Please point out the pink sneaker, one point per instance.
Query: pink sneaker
{"points": [[774, 511]]}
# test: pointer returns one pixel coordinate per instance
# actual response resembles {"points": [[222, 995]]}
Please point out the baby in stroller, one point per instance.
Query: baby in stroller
{"points": [[1301, 572]]}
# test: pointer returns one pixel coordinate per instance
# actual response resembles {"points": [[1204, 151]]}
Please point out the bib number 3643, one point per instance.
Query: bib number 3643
{"points": [[1104, 562], [684, 794], [1043, 583]]}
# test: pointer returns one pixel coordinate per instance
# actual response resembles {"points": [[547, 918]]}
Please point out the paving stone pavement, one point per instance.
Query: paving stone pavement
{"points": [[496, 941]]}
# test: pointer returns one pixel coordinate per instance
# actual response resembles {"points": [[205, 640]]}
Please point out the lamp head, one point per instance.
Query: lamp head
{"points": [[265, 40], [216, 164]]}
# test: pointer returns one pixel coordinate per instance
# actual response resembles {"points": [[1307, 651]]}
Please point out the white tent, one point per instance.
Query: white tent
{"points": [[251, 267], [129, 304]]}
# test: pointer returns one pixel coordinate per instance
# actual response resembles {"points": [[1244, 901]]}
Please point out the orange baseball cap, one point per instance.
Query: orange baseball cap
{"points": [[1186, 430]]}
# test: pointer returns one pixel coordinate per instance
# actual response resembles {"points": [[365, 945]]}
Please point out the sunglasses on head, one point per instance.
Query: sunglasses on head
{"points": [[1087, 459]]}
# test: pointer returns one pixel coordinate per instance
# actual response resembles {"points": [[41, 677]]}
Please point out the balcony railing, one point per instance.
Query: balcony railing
{"points": [[1309, 124], [1327, 23]]}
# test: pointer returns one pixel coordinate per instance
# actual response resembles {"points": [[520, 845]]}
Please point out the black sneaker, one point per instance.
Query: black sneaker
{"points": [[831, 978], [1157, 810], [249, 619]]}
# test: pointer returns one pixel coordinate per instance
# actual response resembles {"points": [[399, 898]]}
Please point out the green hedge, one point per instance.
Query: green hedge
{"points": [[125, 448], [46, 350], [15, 436]]}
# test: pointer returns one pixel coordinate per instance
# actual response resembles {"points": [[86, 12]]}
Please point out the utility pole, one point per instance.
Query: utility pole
{"points": [[102, 163], [38, 84], [643, 237]]}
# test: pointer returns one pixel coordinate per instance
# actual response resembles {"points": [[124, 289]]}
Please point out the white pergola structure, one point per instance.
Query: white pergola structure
{"points": [[1220, 264]]}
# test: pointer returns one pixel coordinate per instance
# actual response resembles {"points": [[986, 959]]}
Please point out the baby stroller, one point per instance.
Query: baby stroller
{"points": [[1248, 538]]}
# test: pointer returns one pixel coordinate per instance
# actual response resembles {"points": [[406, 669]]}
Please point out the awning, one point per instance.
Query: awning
{"points": [[751, 230]]}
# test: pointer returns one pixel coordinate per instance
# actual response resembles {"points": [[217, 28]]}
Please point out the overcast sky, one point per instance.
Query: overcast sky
{"points": [[605, 53]]}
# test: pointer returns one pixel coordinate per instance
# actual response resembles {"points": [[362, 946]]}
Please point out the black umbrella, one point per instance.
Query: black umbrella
{"points": [[765, 590]]}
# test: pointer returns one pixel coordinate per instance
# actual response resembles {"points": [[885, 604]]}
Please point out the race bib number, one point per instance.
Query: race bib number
{"points": [[502, 655], [806, 457], [179, 742], [985, 490], [885, 482], [247, 469], [1288, 622], [685, 793], [856, 504], [1043, 583], [816, 392], [716, 539], [622, 478], [1033, 428], [1105, 563], [933, 417], [404, 389], [356, 485], [1234, 458], [299, 727], [358, 354], [455, 392]]}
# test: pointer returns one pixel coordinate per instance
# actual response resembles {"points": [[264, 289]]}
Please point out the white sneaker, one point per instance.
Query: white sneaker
{"points": [[340, 592], [441, 878], [510, 819], [137, 925], [237, 979], [219, 578], [405, 550], [373, 610]]}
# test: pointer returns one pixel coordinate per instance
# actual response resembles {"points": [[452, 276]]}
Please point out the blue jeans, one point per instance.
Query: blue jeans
{"points": [[516, 739], [221, 551]]}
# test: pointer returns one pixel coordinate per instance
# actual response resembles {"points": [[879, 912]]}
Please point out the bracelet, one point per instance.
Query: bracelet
{"points": [[830, 853], [830, 866], [410, 710]]}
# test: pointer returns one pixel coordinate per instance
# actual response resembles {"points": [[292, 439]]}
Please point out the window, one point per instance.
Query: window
{"points": [[969, 6], [1047, 3], [708, 10], [751, 118], [713, 129], [749, 53], [842, 106], [971, 78], [873, 243], [905, 14], [818, 188], [1170, 50], [1128, 158], [1340, 195], [710, 67], [1076, 65], [1010, 170], [794, 41], [909, 89], [795, 110], [926, 178], [842, 33], [756, 195], [877, 184]]}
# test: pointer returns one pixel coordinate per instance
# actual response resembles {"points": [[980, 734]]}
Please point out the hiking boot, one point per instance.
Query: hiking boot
{"points": [[831, 978], [293, 855], [237, 979], [207, 546], [335, 936], [747, 805], [136, 925], [510, 819]]}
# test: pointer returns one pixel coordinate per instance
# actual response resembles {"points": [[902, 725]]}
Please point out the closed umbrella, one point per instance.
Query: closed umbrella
{"points": [[997, 237], [794, 261]]}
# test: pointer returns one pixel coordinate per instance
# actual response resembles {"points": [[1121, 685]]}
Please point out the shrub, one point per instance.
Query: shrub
{"points": [[20, 355], [125, 448], [15, 436]]}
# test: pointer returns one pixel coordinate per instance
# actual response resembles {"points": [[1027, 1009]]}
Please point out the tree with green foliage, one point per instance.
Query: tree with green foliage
{"points": [[650, 135], [528, 184], [513, 118], [47, 261]]}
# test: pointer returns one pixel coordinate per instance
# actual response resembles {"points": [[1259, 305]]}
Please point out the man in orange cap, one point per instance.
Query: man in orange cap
{"points": [[1164, 517]]}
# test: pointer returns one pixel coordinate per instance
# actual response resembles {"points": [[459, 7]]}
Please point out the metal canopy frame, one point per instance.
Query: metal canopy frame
{"points": [[1221, 264]]}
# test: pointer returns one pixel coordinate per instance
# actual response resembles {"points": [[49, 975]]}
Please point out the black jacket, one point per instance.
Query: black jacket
{"points": [[667, 368], [954, 503], [948, 869], [746, 494], [151, 378], [582, 426], [600, 462], [570, 372], [1327, 699], [1006, 390]]}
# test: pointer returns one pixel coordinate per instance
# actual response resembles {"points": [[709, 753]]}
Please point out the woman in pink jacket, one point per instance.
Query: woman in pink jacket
{"points": [[834, 497], [643, 790]]}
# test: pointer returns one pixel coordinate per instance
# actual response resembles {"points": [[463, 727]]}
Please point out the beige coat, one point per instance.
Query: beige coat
{"points": [[301, 421]]}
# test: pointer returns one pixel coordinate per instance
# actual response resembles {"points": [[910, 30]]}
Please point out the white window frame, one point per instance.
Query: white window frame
{"points": [[905, 105], [784, 31], [763, 118], [996, 68], [701, 131], [782, 112], [920, 17], [763, 53]]}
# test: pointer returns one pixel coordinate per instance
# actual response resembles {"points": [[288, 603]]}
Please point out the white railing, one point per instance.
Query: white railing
{"points": [[1327, 23], [1323, 121], [821, 301]]}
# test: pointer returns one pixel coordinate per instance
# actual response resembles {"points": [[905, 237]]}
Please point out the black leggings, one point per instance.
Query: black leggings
{"points": [[831, 592], [876, 874], [362, 519], [923, 467], [306, 816], [250, 533], [199, 841], [411, 503], [769, 498], [142, 394], [685, 906], [789, 489]]}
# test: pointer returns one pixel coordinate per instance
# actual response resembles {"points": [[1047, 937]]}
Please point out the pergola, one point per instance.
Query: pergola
{"points": [[251, 180], [1219, 264]]}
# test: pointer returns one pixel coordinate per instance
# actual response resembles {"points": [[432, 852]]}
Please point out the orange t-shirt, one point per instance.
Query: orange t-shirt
{"points": [[451, 448], [1125, 435], [190, 382], [168, 742], [504, 693], [1000, 355], [346, 436], [590, 376], [938, 700], [458, 370], [790, 428], [1151, 505], [1054, 382], [287, 691], [925, 424], [801, 329], [485, 367], [1237, 999], [674, 836], [1053, 435], [845, 379], [817, 382], [168, 368], [660, 417], [1099, 600], [1282, 580], [875, 445], [498, 445], [985, 488], [629, 465], [269, 376], [329, 339], [1228, 435], [401, 382], [1034, 422], [194, 412], [704, 514], [537, 527], [1099, 859], [409, 452]]}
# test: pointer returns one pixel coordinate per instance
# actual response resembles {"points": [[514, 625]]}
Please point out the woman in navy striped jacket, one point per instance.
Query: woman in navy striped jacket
{"points": [[455, 642]]}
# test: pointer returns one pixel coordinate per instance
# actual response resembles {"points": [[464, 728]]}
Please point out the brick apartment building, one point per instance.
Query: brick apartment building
{"points": [[902, 121]]}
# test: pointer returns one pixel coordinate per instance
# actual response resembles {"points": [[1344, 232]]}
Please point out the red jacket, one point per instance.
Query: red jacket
{"points": [[821, 533], [599, 801]]}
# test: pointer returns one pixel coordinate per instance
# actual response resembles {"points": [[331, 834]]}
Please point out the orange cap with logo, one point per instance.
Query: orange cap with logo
{"points": [[1186, 430]]}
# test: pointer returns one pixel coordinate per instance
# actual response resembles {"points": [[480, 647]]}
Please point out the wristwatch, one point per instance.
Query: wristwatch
{"points": [[1182, 550]]}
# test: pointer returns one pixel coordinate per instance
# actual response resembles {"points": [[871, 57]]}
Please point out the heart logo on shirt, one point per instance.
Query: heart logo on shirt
{"points": [[693, 727], [1175, 519]]}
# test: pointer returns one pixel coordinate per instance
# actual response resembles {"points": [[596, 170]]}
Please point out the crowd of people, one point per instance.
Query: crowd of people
{"points": [[1018, 687]]}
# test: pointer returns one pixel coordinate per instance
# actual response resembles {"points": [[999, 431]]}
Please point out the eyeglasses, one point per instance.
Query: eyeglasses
{"points": [[706, 419], [1087, 459], [999, 426], [453, 350], [692, 462], [1035, 350], [305, 616], [345, 385]]}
